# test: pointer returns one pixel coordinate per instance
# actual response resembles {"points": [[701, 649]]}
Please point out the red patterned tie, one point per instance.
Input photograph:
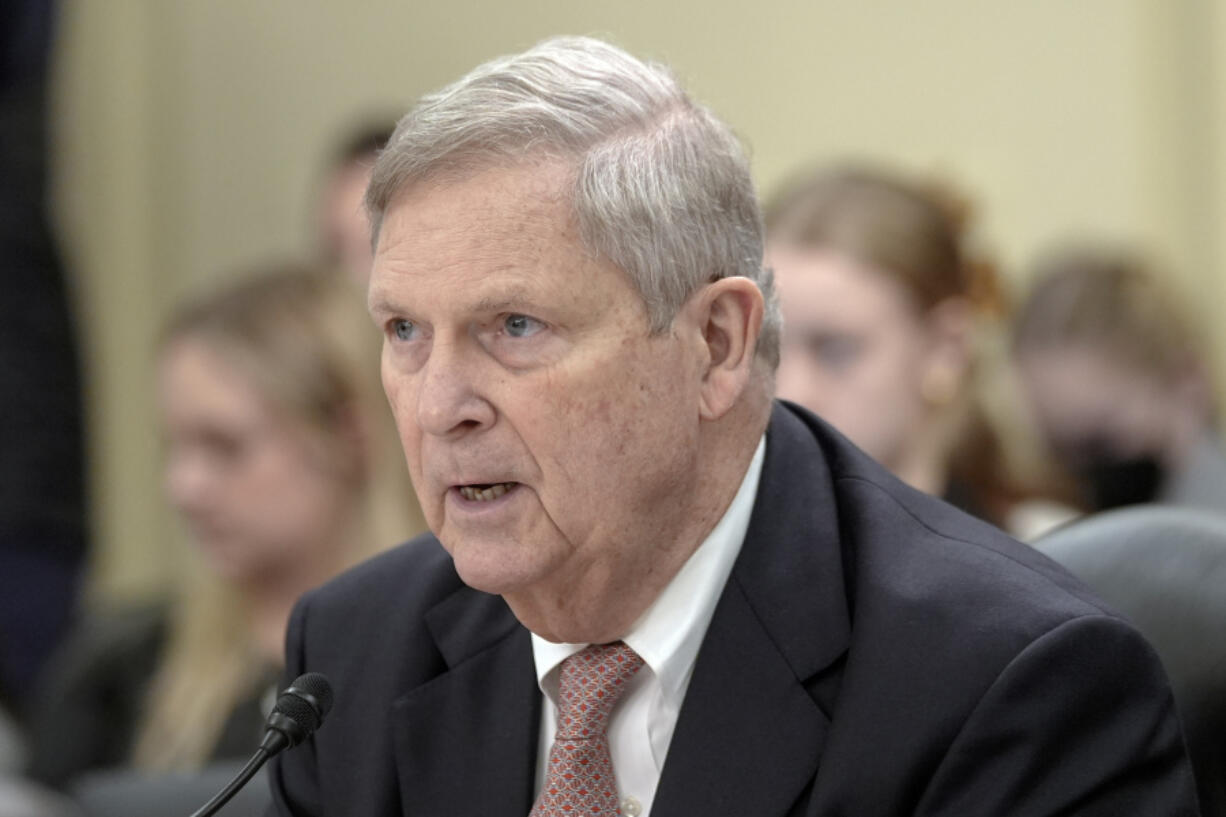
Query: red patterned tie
{"points": [[580, 780]]}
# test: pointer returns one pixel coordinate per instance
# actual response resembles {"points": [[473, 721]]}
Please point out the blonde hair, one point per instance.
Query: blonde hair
{"points": [[302, 339]]}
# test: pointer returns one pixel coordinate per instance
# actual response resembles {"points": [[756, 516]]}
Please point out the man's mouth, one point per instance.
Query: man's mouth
{"points": [[485, 493]]}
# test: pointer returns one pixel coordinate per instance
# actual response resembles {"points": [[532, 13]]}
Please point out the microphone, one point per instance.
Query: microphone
{"points": [[298, 712]]}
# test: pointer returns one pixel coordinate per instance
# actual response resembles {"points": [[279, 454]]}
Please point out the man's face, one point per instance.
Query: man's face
{"points": [[551, 439]]}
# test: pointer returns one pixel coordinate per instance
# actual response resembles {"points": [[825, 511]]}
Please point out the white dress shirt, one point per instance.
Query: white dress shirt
{"points": [[666, 637]]}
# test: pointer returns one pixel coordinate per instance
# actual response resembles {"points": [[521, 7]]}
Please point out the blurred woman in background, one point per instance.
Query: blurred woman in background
{"points": [[1115, 371], [882, 316], [283, 464]]}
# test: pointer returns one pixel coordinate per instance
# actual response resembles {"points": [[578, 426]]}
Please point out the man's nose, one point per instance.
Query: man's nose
{"points": [[451, 399]]}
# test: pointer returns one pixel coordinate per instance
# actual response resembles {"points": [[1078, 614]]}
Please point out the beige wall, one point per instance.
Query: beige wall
{"points": [[191, 132]]}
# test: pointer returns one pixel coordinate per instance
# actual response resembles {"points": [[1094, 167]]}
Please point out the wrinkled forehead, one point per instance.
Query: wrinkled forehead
{"points": [[509, 199], [553, 173], [501, 235]]}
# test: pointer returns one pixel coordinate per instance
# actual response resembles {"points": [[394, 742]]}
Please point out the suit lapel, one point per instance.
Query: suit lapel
{"points": [[753, 725], [748, 739], [465, 742]]}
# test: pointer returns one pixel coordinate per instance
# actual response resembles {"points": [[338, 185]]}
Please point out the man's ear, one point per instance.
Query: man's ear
{"points": [[728, 314]]}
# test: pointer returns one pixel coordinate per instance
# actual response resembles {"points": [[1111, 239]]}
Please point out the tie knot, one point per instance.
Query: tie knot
{"points": [[593, 681]]}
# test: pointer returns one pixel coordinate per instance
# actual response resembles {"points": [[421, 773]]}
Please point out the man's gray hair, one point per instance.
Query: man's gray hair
{"points": [[662, 187]]}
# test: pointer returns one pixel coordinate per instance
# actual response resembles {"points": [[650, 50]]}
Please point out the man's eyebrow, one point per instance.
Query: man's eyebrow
{"points": [[495, 304], [516, 297], [378, 303]]}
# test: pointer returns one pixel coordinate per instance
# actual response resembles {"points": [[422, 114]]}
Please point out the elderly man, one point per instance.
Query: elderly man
{"points": [[652, 589]]}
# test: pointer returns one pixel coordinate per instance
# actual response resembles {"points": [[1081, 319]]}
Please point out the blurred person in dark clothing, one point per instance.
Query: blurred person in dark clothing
{"points": [[42, 492], [1115, 371]]}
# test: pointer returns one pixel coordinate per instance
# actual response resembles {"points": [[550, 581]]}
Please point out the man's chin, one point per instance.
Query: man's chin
{"points": [[491, 575]]}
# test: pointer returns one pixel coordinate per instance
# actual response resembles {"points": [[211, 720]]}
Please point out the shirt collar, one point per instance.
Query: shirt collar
{"points": [[668, 634]]}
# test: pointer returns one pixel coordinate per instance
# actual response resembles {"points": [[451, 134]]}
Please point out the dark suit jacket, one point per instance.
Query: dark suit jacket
{"points": [[874, 652]]}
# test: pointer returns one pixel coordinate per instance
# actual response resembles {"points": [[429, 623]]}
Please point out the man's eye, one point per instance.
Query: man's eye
{"points": [[403, 329], [521, 326]]}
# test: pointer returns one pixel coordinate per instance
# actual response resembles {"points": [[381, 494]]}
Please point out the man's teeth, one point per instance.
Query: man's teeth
{"points": [[475, 494]]}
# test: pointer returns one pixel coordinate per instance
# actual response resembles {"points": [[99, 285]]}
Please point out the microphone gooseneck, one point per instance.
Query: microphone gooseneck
{"points": [[298, 712]]}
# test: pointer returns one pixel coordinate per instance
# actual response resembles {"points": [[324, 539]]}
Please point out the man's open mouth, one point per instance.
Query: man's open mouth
{"points": [[485, 493]]}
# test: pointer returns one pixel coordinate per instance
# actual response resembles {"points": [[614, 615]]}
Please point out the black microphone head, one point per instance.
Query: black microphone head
{"points": [[299, 711], [315, 688]]}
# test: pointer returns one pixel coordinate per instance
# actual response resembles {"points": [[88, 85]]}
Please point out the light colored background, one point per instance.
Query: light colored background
{"points": [[190, 133]]}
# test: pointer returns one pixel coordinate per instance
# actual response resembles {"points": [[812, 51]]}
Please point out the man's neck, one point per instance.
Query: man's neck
{"points": [[601, 602]]}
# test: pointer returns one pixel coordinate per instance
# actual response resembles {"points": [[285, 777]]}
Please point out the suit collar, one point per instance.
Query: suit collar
{"points": [[751, 731], [466, 741], [792, 567], [754, 721]]}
